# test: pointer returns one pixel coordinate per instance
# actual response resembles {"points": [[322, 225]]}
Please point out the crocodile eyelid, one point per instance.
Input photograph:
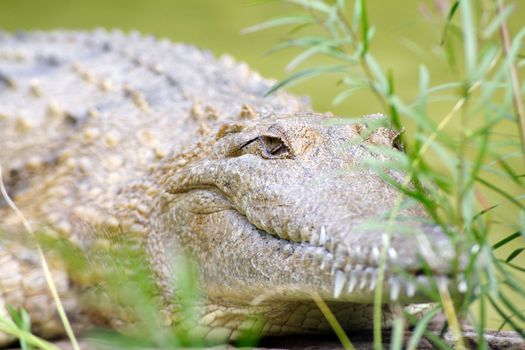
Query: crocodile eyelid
{"points": [[248, 142]]}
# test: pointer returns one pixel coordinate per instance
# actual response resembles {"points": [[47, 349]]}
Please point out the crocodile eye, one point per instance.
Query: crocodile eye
{"points": [[274, 147], [266, 146]]}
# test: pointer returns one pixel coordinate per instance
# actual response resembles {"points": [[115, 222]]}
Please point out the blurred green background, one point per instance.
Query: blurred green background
{"points": [[405, 37]]}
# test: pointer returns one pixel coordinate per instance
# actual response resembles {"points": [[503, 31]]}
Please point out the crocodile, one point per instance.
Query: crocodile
{"points": [[108, 133]]}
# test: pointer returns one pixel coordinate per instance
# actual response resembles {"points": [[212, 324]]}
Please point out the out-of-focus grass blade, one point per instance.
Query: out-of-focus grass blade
{"points": [[394, 114], [276, 22], [501, 75], [356, 20], [406, 110], [305, 74], [495, 23], [421, 326], [488, 61], [473, 172], [344, 95], [330, 317], [510, 171], [501, 192], [515, 311], [396, 343], [516, 267], [316, 5], [514, 254], [424, 78], [22, 321], [8, 326], [508, 279], [506, 240], [470, 45], [442, 87], [506, 318], [450, 15], [306, 54], [364, 28], [305, 41], [381, 83]]}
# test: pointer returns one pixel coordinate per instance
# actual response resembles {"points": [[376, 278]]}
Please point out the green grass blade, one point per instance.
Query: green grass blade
{"points": [[506, 240], [330, 317], [514, 254], [421, 326], [281, 21], [450, 16], [305, 74], [498, 190], [496, 22], [316, 5], [364, 28], [398, 327], [469, 38], [506, 318]]}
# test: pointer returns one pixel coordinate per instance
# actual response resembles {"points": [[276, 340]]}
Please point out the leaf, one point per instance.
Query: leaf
{"points": [[301, 20], [496, 22], [398, 326], [305, 74], [514, 254], [420, 328], [316, 5], [507, 319], [502, 73], [506, 240], [343, 95], [424, 78], [381, 82], [470, 46], [364, 28], [451, 14], [501, 192], [303, 56]]}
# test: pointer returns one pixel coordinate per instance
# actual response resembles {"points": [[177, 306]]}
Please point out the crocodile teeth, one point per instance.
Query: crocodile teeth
{"points": [[352, 282], [376, 255], [305, 231], [462, 284], [314, 238], [442, 283], [373, 278], [362, 283], [410, 288], [392, 253], [422, 280], [326, 261], [395, 288], [339, 283], [330, 244], [368, 274], [322, 237], [357, 252]]}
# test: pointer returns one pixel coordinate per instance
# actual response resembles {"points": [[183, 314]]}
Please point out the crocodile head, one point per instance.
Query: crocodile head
{"points": [[277, 208]]}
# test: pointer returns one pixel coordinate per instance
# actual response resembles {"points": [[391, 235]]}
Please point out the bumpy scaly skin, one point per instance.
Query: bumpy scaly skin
{"points": [[106, 132]]}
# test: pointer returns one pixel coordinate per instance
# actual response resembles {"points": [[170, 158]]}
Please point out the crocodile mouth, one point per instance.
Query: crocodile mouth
{"points": [[355, 275], [352, 270]]}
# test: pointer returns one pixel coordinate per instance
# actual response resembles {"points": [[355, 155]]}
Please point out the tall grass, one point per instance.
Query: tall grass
{"points": [[465, 167]]}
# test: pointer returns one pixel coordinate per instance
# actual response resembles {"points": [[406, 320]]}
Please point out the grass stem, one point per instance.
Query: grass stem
{"points": [[330, 317], [518, 102], [45, 267]]}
